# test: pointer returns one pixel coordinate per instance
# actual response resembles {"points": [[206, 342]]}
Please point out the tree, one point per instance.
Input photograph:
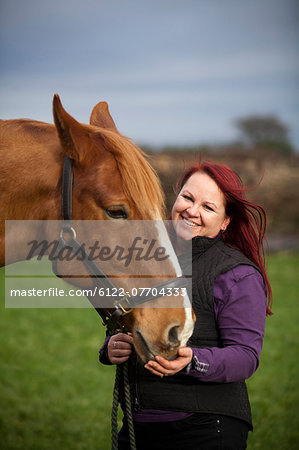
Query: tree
{"points": [[265, 131]]}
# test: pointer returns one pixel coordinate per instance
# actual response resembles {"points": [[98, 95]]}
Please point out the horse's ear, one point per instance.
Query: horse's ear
{"points": [[73, 135], [100, 117]]}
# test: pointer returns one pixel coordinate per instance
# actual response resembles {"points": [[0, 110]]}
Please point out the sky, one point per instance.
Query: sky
{"points": [[173, 72]]}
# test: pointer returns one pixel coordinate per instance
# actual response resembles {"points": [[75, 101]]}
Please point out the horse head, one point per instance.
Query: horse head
{"points": [[114, 184]]}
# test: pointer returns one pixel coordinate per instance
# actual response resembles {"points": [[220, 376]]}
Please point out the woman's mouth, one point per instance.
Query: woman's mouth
{"points": [[189, 222]]}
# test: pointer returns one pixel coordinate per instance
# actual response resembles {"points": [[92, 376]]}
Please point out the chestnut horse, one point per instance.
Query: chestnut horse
{"points": [[112, 181]]}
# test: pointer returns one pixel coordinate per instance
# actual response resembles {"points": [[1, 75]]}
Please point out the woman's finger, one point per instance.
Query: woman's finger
{"points": [[118, 345], [119, 360], [169, 365], [156, 372], [121, 352], [122, 337], [157, 369]]}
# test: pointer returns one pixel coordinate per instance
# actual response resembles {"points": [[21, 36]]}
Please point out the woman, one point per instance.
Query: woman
{"points": [[203, 402]]}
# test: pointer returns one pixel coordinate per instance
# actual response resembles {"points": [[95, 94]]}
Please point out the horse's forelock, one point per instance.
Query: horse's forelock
{"points": [[140, 181]]}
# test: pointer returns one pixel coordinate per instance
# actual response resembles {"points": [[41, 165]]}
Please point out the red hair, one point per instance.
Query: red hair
{"points": [[246, 230]]}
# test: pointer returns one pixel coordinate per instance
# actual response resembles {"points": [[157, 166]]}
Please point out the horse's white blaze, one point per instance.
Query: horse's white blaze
{"points": [[189, 322], [165, 242]]}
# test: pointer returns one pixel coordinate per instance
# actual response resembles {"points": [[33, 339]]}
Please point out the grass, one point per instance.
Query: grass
{"points": [[55, 394], [273, 389]]}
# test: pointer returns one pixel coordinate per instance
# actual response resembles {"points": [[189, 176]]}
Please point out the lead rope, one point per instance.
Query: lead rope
{"points": [[114, 433], [122, 373]]}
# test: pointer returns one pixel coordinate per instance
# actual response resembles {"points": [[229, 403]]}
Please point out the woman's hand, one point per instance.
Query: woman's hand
{"points": [[120, 348], [163, 367]]}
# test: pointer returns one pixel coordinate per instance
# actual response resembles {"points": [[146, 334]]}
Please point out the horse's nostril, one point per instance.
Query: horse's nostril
{"points": [[173, 335]]}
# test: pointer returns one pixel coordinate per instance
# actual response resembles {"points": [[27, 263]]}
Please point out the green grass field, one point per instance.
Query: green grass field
{"points": [[55, 394]]}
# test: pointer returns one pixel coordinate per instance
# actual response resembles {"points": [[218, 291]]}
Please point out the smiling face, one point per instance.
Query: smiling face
{"points": [[199, 209]]}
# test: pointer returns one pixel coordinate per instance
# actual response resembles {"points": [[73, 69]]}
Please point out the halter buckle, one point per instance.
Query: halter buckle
{"points": [[125, 311], [120, 304]]}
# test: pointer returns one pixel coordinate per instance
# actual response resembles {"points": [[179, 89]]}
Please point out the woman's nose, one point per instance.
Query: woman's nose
{"points": [[193, 210]]}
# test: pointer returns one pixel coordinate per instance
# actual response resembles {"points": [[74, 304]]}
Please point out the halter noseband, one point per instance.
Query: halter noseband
{"points": [[123, 304]]}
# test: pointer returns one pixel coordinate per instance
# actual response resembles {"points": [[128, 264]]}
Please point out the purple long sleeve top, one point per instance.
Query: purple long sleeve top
{"points": [[240, 312]]}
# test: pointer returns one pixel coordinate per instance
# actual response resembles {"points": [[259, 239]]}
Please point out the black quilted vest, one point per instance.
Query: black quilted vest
{"points": [[181, 392]]}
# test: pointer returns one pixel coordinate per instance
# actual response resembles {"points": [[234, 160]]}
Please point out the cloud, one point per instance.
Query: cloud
{"points": [[163, 66]]}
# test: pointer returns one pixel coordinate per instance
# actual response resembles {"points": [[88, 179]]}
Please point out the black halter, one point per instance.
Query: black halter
{"points": [[124, 304]]}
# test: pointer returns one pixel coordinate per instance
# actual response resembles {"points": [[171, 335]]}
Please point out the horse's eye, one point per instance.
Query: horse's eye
{"points": [[117, 212]]}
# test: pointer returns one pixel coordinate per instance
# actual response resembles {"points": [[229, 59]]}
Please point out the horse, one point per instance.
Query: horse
{"points": [[113, 182]]}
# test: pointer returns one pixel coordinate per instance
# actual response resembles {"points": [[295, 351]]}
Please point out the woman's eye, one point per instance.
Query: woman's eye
{"points": [[209, 208], [116, 212], [187, 197]]}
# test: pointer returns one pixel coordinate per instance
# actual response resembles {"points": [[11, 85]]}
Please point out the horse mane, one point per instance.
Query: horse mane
{"points": [[140, 181]]}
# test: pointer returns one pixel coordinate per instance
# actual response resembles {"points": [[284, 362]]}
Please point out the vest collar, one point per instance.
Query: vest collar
{"points": [[200, 244]]}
